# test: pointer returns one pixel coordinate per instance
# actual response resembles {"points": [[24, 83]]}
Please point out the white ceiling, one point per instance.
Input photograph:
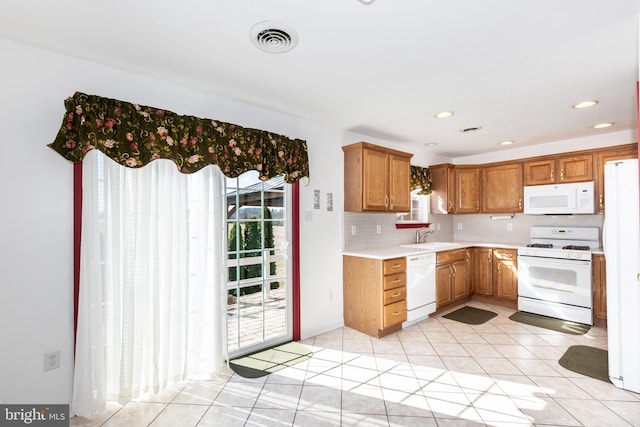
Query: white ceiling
{"points": [[512, 67]]}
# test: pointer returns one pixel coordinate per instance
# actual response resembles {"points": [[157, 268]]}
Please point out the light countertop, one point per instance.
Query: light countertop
{"points": [[399, 251]]}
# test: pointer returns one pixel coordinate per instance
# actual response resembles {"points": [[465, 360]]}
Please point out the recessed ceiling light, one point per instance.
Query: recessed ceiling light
{"points": [[584, 104], [506, 142], [430, 144], [603, 125], [367, 2], [444, 115]]}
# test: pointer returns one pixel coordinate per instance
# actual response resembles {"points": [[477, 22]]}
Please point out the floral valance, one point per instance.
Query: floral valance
{"points": [[134, 135], [421, 180]]}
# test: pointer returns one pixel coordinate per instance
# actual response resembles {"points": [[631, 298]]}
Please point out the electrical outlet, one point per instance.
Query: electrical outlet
{"points": [[438, 226], [509, 227], [378, 229], [459, 226], [52, 360], [353, 230]]}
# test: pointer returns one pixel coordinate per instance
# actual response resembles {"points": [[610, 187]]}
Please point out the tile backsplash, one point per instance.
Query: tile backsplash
{"points": [[374, 230]]}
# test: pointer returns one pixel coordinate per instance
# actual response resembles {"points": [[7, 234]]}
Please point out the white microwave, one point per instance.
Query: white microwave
{"points": [[560, 199]]}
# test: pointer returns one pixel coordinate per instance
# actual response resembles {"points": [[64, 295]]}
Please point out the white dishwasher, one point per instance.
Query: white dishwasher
{"points": [[421, 286]]}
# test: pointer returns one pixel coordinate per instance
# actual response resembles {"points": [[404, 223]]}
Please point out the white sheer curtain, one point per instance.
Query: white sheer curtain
{"points": [[152, 300]]}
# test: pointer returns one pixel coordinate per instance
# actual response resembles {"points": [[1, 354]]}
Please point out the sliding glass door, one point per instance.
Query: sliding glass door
{"points": [[258, 270]]}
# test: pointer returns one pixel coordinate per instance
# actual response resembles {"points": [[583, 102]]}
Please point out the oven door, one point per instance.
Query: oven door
{"points": [[561, 281]]}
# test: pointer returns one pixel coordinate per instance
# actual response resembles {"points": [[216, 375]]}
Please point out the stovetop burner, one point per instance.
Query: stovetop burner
{"points": [[539, 245], [577, 247]]}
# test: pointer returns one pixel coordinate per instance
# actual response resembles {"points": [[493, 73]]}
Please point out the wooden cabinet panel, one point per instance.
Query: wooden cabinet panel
{"points": [[467, 199], [443, 185], [483, 271], [443, 285], [506, 274], [540, 172], [376, 179], [399, 183], [394, 314], [502, 189], [575, 168], [600, 158], [599, 286], [453, 279], [374, 294]]}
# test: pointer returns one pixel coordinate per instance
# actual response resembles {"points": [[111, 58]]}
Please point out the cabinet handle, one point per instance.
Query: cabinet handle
{"points": [[396, 295], [386, 201], [454, 270], [498, 267], [397, 313], [561, 174], [489, 256], [468, 256], [396, 266], [601, 200], [396, 281], [520, 203], [551, 178], [450, 205], [477, 205]]}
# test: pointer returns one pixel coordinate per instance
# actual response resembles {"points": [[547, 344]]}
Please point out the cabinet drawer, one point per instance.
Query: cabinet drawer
{"points": [[394, 281], [448, 256], [394, 295], [394, 313], [395, 265]]}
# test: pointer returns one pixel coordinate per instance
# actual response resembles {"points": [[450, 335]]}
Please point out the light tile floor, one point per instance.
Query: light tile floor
{"points": [[435, 373]]}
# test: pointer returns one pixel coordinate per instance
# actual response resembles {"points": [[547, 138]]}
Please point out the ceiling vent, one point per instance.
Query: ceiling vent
{"points": [[470, 129], [273, 37]]}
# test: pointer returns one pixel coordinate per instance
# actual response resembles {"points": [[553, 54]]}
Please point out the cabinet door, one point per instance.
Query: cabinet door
{"points": [[575, 168], [502, 189], [506, 274], [467, 190], [483, 271], [599, 286], [459, 279], [399, 184], [375, 180], [443, 185], [629, 151], [540, 172], [443, 285]]}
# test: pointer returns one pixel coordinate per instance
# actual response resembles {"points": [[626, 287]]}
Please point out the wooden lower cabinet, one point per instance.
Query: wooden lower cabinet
{"points": [[505, 274], [598, 266], [495, 273], [453, 276], [483, 271], [374, 294]]}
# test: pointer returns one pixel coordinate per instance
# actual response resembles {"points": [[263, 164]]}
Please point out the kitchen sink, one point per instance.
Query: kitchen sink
{"points": [[431, 245]]}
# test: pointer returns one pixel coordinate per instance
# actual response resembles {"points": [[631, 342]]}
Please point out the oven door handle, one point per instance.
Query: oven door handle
{"points": [[554, 261]]}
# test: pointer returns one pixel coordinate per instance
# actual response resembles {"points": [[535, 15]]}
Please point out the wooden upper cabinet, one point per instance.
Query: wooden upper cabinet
{"points": [[443, 186], [467, 187], [555, 170], [540, 172], [376, 179], [600, 158], [502, 189], [399, 183], [575, 168]]}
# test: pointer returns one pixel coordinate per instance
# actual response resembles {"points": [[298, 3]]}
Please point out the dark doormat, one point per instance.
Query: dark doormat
{"points": [[270, 360], [470, 315], [590, 361], [550, 323]]}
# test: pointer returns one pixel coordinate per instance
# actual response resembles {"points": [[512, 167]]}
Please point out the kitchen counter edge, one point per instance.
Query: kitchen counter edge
{"points": [[388, 252]]}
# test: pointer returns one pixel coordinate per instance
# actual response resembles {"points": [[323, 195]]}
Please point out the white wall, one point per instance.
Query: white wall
{"points": [[36, 281]]}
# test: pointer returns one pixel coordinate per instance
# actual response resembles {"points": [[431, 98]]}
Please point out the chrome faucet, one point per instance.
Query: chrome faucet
{"points": [[421, 234]]}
